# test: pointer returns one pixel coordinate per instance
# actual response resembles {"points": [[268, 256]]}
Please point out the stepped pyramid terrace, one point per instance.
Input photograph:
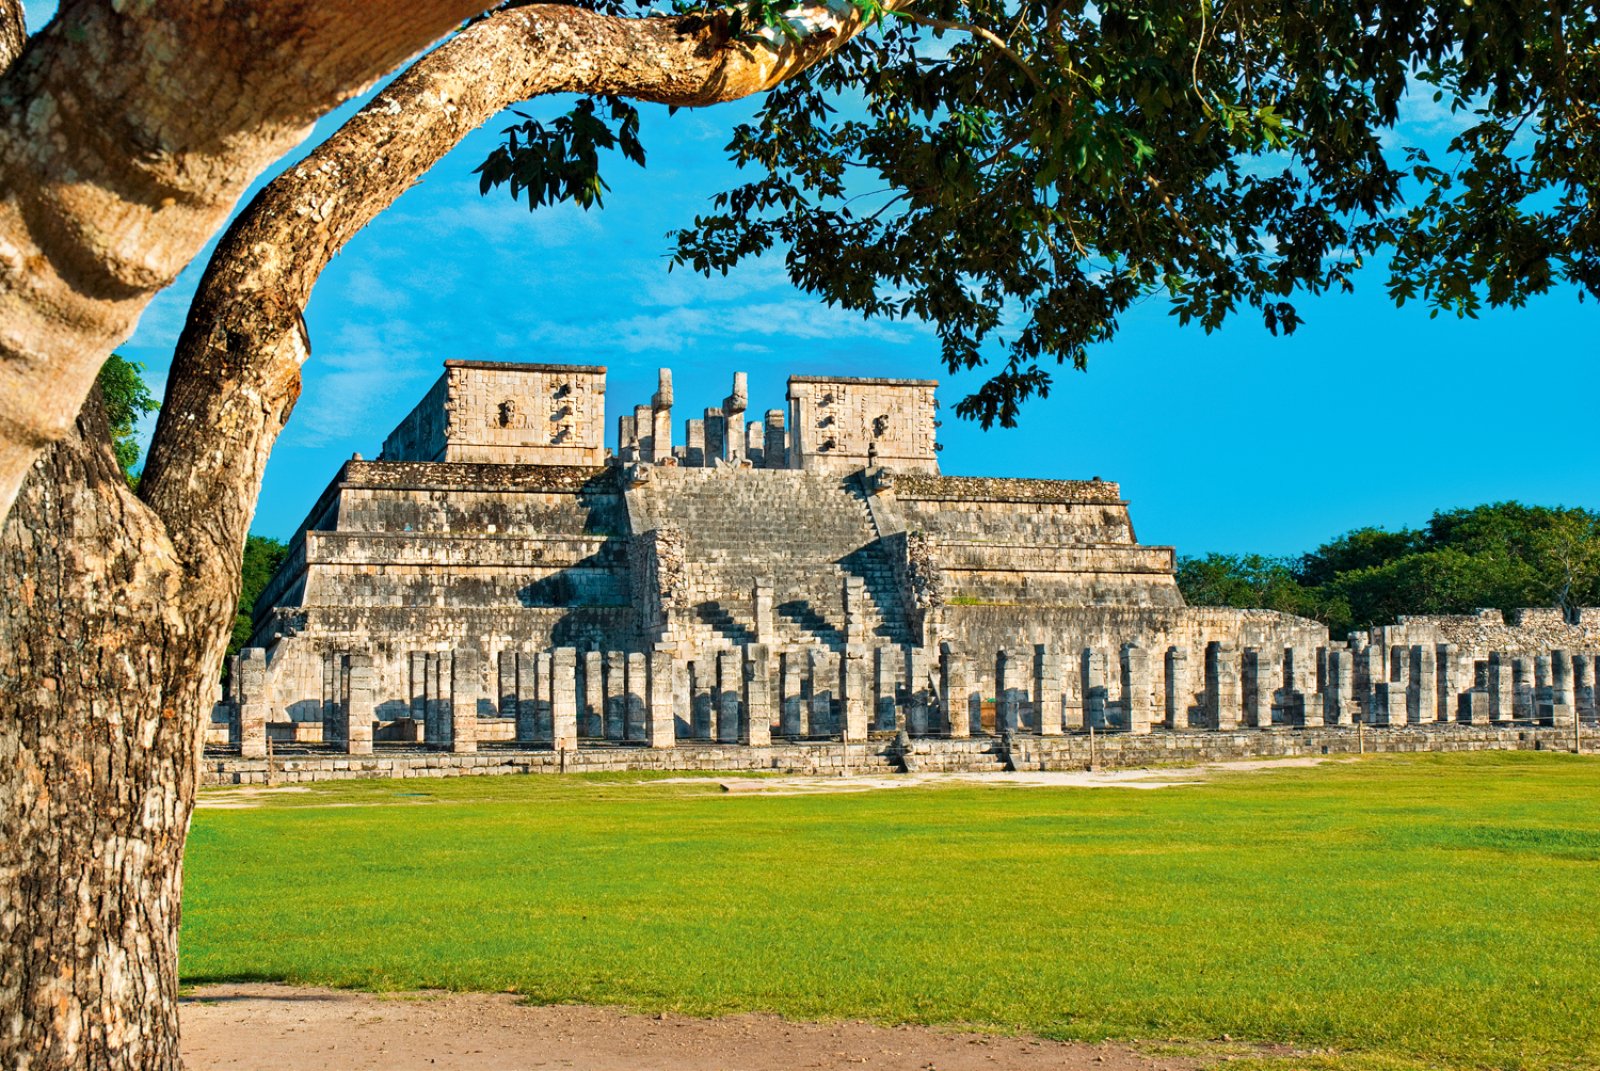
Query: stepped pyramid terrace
{"points": [[498, 590]]}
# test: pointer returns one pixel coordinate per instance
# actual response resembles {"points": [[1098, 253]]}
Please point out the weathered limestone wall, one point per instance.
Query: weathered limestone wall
{"points": [[839, 424], [485, 412]]}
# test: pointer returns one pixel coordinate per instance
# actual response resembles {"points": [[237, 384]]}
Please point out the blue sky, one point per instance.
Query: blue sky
{"points": [[1235, 441]]}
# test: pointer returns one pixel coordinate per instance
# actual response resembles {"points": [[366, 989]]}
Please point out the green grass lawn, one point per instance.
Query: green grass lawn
{"points": [[1401, 912]]}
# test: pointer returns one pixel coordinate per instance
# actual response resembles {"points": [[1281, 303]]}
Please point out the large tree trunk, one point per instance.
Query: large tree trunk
{"points": [[114, 612], [97, 767], [129, 133]]}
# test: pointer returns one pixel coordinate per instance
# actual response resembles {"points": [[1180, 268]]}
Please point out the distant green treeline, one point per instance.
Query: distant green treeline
{"points": [[1501, 556]]}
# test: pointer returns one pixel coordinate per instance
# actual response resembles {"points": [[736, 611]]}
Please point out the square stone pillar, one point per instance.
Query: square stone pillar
{"points": [[824, 686], [853, 692], [591, 700], [564, 699], [1222, 687], [1299, 683], [1543, 693], [755, 720], [1137, 697], [466, 689], [1583, 686], [775, 444], [955, 693], [791, 702], [761, 605], [1501, 706], [1047, 688], [616, 695], [1522, 687], [1011, 678], [419, 689], [730, 686], [1389, 704], [703, 697], [333, 683], [506, 679], [1339, 700], [1311, 716], [1092, 673], [1562, 709], [694, 444], [638, 690], [1423, 695], [544, 699], [437, 732], [886, 664], [1448, 682], [1257, 687], [1371, 669], [922, 697], [254, 705], [527, 704], [360, 703], [1179, 690], [1399, 700], [661, 727]]}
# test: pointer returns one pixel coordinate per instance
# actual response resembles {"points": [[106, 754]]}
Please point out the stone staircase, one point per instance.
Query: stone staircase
{"points": [[805, 532]]}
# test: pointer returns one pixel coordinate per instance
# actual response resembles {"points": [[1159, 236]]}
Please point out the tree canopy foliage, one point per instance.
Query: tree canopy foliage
{"points": [[128, 399], [1502, 556], [1020, 173], [262, 556]]}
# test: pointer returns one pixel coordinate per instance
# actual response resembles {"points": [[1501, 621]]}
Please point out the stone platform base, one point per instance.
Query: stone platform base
{"points": [[978, 755]]}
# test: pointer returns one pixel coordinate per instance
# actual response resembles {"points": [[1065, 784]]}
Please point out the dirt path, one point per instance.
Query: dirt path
{"points": [[292, 1029]]}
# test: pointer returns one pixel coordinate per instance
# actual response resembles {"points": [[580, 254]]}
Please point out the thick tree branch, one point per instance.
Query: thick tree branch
{"points": [[236, 373], [13, 32], [127, 134]]}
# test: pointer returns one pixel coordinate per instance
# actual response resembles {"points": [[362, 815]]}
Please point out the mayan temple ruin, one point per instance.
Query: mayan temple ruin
{"points": [[498, 590]]}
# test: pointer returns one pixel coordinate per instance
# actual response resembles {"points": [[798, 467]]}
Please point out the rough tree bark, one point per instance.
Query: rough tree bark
{"points": [[114, 612], [128, 132]]}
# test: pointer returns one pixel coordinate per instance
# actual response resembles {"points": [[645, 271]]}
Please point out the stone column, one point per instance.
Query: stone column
{"points": [[662, 726], [1371, 670], [755, 722], [761, 603], [853, 600], [254, 705], [824, 683], [1257, 688], [627, 438], [419, 691], [1398, 701], [1222, 687], [694, 444], [591, 712], [955, 692], [1179, 688], [333, 715], [544, 702], [730, 685], [1422, 703], [703, 698], [564, 699], [1300, 682], [1583, 686], [1093, 675], [791, 703], [1047, 690], [633, 726], [1447, 681], [466, 688], [527, 705], [1339, 705], [1562, 709], [1543, 693], [922, 702], [616, 695], [661, 417], [440, 675], [1136, 688], [1501, 706], [775, 446], [733, 408], [886, 663], [853, 692], [1009, 682], [1522, 687], [506, 678], [360, 702]]}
